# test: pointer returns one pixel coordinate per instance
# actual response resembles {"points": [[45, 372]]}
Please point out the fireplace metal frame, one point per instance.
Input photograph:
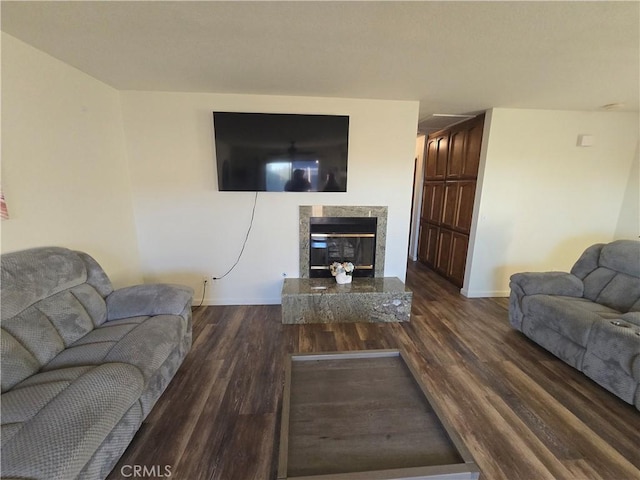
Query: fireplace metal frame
{"points": [[308, 211], [326, 228]]}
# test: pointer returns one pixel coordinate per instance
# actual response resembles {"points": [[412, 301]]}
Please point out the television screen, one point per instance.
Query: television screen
{"points": [[277, 152]]}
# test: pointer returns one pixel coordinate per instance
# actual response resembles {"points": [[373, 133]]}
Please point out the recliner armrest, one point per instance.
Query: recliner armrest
{"points": [[149, 299], [548, 283]]}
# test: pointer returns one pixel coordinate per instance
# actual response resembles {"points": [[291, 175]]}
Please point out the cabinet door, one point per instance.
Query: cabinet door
{"points": [[437, 151], [423, 243], [431, 156], [472, 149], [432, 243], [456, 154], [432, 196], [443, 251], [428, 243], [441, 158], [449, 202], [465, 193], [458, 258]]}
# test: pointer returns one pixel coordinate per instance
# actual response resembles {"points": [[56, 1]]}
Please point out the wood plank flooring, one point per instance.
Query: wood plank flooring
{"points": [[521, 412]]}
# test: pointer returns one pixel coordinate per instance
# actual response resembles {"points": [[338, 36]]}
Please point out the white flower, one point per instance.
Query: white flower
{"points": [[345, 267]]}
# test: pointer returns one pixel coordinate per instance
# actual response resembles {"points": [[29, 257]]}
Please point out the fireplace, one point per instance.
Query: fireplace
{"points": [[342, 239], [363, 220]]}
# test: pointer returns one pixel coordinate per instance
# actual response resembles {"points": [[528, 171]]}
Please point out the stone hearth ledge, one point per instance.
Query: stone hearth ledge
{"points": [[322, 300]]}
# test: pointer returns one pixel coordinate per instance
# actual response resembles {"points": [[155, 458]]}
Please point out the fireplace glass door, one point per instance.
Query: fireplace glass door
{"points": [[340, 240]]}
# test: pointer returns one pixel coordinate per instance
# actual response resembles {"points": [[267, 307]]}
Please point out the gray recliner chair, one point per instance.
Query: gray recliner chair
{"points": [[590, 317]]}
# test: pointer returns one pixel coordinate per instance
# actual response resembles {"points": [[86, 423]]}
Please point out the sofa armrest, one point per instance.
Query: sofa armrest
{"points": [[539, 283], [547, 283], [149, 299]]}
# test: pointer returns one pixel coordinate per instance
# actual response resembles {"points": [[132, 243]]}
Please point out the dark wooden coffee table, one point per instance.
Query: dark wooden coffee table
{"points": [[364, 416]]}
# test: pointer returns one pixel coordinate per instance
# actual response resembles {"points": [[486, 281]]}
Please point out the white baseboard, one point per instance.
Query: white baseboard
{"points": [[484, 293], [236, 301]]}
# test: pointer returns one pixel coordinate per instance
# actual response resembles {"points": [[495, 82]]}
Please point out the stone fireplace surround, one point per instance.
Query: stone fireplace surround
{"points": [[308, 211]]}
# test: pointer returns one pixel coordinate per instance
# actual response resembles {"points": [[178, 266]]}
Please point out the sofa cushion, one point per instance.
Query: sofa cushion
{"points": [[55, 421], [17, 362], [92, 302], [96, 276], [64, 308], [621, 292], [144, 342], [621, 256], [570, 316], [29, 276], [595, 281], [25, 401], [611, 288], [68, 316], [46, 328], [615, 282], [113, 447], [588, 261], [36, 334]]}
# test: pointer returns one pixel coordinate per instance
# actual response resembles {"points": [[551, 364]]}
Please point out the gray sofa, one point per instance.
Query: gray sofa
{"points": [[82, 364], [590, 318]]}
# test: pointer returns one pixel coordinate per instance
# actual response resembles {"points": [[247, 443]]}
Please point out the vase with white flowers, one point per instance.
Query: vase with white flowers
{"points": [[342, 271]]}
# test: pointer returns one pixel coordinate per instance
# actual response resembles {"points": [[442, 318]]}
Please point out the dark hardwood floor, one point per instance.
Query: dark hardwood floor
{"points": [[521, 412]]}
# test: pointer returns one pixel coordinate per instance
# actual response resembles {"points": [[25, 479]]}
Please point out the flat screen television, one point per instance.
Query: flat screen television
{"points": [[281, 152]]}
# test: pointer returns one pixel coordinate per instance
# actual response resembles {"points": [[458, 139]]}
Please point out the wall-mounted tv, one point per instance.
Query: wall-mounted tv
{"points": [[281, 152]]}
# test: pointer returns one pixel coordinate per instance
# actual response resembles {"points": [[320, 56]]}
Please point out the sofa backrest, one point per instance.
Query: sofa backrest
{"points": [[51, 297], [611, 274]]}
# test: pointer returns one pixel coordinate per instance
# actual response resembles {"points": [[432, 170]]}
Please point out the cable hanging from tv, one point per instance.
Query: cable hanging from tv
{"points": [[244, 244]]}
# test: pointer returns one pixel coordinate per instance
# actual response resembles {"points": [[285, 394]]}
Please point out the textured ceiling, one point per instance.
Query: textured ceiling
{"points": [[454, 57]]}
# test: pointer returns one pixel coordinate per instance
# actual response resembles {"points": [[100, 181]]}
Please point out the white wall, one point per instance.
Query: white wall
{"points": [[629, 218], [543, 199], [187, 229], [64, 170]]}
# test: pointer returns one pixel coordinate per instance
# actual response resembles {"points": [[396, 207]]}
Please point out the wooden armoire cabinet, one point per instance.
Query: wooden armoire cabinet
{"points": [[452, 158]]}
